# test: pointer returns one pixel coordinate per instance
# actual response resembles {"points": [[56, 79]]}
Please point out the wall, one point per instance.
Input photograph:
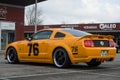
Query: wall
{"points": [[14, 14]]}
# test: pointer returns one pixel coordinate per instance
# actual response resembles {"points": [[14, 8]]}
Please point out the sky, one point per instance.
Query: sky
{"points": [[79, 11]]}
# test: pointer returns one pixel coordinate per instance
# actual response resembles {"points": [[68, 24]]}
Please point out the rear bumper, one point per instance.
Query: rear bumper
{"points": [[97, 58], [86, 55]]}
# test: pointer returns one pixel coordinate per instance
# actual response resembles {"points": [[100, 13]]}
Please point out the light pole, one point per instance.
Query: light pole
{"points": [[35, 16]]}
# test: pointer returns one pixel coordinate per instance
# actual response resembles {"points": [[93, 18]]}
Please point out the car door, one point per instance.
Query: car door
{"points": [[36, 48]]}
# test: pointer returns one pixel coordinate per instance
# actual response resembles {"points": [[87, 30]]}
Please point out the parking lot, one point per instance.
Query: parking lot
{"points": [[35, 71]]}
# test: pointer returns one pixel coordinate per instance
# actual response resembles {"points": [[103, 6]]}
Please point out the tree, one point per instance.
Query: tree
{"points": [[30, 16]]}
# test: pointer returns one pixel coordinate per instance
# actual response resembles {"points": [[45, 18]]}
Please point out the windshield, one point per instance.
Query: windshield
{"points": [[76, 33]]}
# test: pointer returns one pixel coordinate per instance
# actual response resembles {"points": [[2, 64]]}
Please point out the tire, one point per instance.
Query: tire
{"points": [[12, 57], [93, 63], [60, 58]]}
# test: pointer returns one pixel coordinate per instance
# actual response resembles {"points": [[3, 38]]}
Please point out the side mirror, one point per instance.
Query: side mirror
{"points": [[28, 38]]}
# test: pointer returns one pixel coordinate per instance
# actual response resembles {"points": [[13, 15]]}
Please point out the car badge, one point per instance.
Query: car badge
{"points": [[101, 43]]}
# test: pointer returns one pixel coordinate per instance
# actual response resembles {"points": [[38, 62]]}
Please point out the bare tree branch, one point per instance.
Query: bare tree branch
{"points": [[30, 16]]}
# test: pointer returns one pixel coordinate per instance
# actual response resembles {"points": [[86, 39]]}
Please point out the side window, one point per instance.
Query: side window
{"points": [[42, 35], [59, 35]]}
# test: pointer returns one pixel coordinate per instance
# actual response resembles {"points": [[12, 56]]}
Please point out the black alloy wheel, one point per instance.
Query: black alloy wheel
{"points": [[12, 57], [60, 58]]}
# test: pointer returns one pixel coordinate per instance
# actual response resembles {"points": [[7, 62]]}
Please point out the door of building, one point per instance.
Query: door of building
{"points": [[6, 37]]}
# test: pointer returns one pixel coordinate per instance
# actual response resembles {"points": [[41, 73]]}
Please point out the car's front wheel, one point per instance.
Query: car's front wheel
{"points": [[12, 57], [60, 58]]}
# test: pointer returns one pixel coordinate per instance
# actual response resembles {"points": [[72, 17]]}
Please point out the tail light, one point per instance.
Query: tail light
{"points": [[111, 43], [88, 43]]}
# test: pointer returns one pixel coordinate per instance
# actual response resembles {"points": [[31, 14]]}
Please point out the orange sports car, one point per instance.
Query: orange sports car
{"points": [[62, 47]]}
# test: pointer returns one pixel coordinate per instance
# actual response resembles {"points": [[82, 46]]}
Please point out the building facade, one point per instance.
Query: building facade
{"points": [[11, 24]]}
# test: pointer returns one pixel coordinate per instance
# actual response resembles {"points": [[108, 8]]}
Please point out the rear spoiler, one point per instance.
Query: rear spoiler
{"points": [[97, 36]]}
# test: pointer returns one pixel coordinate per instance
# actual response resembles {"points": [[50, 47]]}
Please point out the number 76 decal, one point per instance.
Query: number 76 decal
{"points": [[33, 47]]}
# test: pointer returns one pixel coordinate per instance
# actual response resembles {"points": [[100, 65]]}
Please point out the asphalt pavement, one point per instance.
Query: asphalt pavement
{"points": [[31, 71]]}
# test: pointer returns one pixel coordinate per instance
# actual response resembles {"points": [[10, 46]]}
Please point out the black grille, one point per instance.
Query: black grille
{"points": [[101, 43]]}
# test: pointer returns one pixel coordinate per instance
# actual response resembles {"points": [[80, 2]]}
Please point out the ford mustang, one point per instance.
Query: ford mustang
{"points": [[62, 47]]}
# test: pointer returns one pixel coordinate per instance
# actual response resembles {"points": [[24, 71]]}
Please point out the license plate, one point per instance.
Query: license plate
{"points": [[103, 53]]}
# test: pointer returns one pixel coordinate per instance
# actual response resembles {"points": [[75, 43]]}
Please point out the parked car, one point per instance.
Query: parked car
{"points": [[62, 47]]}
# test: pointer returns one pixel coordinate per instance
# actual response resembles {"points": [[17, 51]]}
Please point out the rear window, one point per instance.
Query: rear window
{"points": [[59, 35], [77, 33]]}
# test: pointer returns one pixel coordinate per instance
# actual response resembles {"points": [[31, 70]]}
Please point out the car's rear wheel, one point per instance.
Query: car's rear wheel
{"points": [[60, 58], [93, 63], [12, 57]]}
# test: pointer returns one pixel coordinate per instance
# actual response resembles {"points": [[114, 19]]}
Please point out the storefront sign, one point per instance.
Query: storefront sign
{"points": [[7, 25], [3, 13], [107, 26], [90, 27], [45, 27], [70, 25]]}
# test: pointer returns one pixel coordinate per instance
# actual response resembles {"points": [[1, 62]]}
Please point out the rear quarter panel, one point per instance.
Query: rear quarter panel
{"points": [[60, 43]]}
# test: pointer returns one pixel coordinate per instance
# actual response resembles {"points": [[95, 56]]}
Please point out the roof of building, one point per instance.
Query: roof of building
{"points": [[19, 2]]}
